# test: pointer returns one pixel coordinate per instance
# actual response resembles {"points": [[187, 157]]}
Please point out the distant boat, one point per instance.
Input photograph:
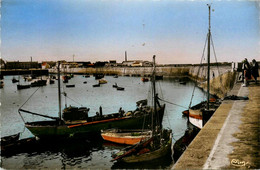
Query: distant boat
{"points": [[125, 136], [70, 85], [96, 85], [120, 88], [39, 83], [115, 85], [116, 76], [183, 82], [85, 82], [144, 79], [14, 80], [20, 86], [52, 81], [102, 81], [159, 77]]}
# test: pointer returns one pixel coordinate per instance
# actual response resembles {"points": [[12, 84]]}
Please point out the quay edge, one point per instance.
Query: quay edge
{"points": [[230, 139]]}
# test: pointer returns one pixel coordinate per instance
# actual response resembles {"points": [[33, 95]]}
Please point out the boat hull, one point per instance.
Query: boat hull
{"points": [[159, 153], [43, 129], [126, 137], [199, 115]]}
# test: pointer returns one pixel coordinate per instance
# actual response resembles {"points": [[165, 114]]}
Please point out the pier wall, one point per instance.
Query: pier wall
{"points": [[129, 71], [222, 77]]}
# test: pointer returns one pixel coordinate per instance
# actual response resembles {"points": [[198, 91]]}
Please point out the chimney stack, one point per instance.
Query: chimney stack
{"points": [[125, 56]]}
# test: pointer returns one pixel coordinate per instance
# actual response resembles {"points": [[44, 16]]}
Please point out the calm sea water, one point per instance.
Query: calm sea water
{"points": [[87, 153]]}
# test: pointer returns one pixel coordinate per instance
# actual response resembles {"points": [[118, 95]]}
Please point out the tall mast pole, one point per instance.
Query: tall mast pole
{"points": [[208, 77], [59, 93], [154, 95]]}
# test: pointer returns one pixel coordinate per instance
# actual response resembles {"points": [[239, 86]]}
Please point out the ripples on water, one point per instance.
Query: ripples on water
{"points": [[93, 153]]}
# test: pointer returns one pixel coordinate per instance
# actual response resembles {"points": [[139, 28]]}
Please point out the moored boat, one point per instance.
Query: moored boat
{"points": [[102, 81], [201, 112], [52, 81], [7, 140], [125, 136], [144, 79], [14, 80], [115, 85], [38, 83], [96, 85], [70, 85], [20, 86], [120, 88]]}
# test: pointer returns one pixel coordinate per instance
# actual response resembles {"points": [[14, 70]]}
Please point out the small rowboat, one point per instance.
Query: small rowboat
{"points": [[9, 139], [70, 85], [120, 88], [144, 79], [124, 136]]}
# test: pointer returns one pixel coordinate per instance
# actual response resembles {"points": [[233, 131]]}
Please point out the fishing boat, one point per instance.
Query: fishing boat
{"points": [[115, 76], [70, 85], [66, 78], [102, 81], [74, 121], [96, 85], [7, 140], [14, 80], [38, 83], [144, 79], [115, 85], [120, 88], [201, 112], [52, 81], [154, 147], [125, 136], [20, 86], [159, 77]]}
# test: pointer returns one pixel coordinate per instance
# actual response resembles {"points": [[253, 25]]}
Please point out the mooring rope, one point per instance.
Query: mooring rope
{"points": [[65, 94], [173, 103]]}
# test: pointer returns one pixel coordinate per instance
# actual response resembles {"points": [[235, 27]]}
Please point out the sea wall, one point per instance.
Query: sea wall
{"points": [[129, 71], [222, 77]]}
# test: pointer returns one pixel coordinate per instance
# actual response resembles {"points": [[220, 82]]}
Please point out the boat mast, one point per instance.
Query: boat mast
{"points": [[208, 76], [59, 93], [154, 96]]}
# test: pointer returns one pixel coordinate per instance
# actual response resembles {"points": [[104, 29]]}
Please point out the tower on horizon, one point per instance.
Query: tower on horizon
{"points": [[125, 56]]}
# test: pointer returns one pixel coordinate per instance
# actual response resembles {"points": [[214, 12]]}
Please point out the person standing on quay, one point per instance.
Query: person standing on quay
{"points": [[246, 72], [254, 70]]}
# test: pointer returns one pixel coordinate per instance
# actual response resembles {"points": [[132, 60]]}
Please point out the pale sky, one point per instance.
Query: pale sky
{"points": [[101, 30]]}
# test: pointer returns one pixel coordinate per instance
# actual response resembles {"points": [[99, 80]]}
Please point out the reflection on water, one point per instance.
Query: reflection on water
{"points": [[93, 152]]}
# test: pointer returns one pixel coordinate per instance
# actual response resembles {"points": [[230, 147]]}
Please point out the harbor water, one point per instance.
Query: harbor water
{"points": [[88, 153]]}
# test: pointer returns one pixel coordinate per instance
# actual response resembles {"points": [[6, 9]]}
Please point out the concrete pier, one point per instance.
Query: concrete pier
{"points": [[231, 138]]}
